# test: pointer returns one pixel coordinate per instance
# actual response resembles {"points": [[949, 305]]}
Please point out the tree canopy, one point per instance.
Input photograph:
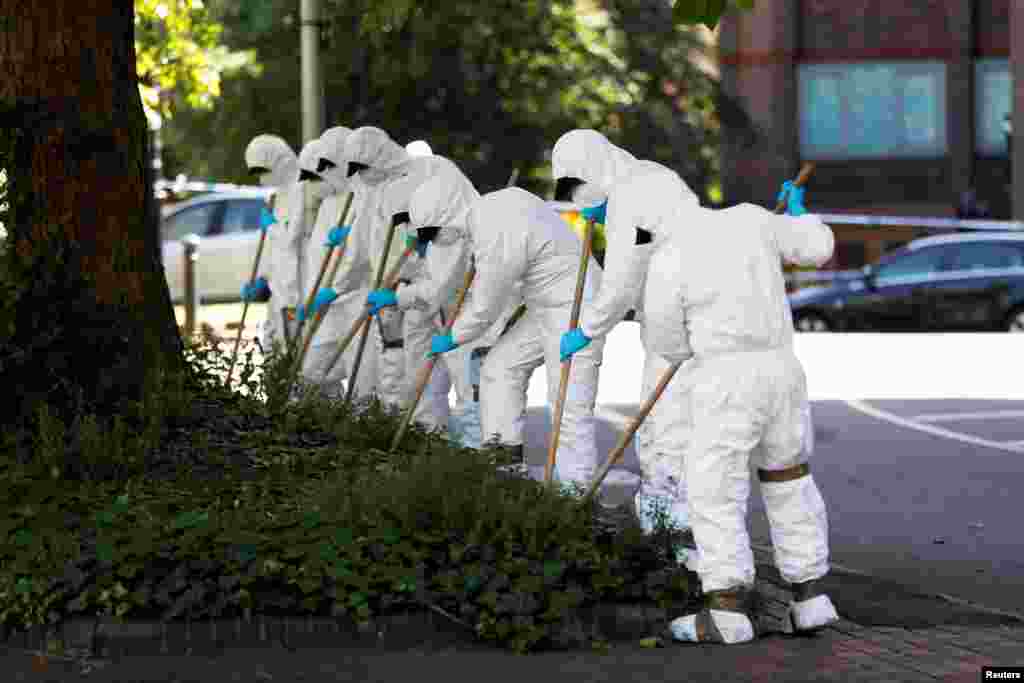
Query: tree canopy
{"points": [[491, 85]]}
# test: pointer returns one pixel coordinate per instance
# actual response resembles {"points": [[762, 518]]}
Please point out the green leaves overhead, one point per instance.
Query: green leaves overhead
{"points": [[178, 50], [707, 12]]}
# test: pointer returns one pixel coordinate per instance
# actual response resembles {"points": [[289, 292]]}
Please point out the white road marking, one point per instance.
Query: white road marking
{"points": [[886, 416], [956, 417], [1014, 443]]}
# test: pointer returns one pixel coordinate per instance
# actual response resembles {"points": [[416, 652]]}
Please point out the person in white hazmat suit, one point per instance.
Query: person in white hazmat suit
{"points": [[716, 298], [384, 176], [630, 197], [445, 254], [516, 237], [285, 250], [274, 162], [349, 288]]}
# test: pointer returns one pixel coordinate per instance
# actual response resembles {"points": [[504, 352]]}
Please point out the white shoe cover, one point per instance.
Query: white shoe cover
{"points": [[813, 614], [735, 627]]}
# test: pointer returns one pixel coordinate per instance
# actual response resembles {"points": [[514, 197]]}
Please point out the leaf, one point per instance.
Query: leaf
{"points": [[23, 537], [105, 518], [190, 519], [343, 537], [553, 569], [105, 552], [312, 520]]}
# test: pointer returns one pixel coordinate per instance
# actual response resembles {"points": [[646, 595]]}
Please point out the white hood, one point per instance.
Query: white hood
{"points": [[589, 156], [332, 148], [274, 154]]}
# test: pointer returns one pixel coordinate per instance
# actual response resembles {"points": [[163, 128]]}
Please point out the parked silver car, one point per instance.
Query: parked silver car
{"points": [[228, 227]]}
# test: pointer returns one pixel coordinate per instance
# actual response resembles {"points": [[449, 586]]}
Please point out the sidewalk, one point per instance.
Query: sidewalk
{"points": [[954, 643]]}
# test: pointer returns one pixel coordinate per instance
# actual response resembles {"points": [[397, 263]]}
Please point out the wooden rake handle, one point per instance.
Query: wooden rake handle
{"points": [[307, 339], [563, 386], [428, 368], [801, 179], [245, 308], [634, 425], [378, 279]]}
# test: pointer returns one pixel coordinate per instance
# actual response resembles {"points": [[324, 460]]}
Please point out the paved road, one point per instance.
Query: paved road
{"points": [[939, 511]]}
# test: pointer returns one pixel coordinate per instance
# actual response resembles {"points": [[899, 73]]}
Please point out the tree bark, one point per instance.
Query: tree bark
{"points": [[86, 301]]}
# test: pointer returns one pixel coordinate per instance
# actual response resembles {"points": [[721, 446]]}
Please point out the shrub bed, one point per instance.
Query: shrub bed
{"points": [[204, 503]]}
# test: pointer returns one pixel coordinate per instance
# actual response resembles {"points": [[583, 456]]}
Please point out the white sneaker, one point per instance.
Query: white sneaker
{"points": [[812, 614]]}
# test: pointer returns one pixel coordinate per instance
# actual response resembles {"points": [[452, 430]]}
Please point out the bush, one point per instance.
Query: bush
{"points": [[200, 502]]}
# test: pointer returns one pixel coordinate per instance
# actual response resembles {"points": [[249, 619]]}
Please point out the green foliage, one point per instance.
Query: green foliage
{"points": [[706, 12], [339, 527], [177, 50], [490, 85]]}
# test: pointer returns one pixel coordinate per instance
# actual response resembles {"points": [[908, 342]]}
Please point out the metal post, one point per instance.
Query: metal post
{"points": [[1016, 151], [312, 93], [191, 243]]}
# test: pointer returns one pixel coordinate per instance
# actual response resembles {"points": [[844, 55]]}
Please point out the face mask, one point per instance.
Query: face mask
{"points": [[267, 179], [588, 195]]}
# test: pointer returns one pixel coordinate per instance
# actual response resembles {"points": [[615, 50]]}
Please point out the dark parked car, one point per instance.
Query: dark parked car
{"points": [[954, 282]]}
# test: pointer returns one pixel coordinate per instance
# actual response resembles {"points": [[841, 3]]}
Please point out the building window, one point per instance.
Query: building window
{"points": [[870, 110], [993, 88]]}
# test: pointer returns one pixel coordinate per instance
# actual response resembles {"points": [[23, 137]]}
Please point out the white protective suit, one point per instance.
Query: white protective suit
{"points": [[516, 237], [279, 262], [286, 247], [639, 194], [383, 189], [437, 285], [719, 300], [349, 282]]}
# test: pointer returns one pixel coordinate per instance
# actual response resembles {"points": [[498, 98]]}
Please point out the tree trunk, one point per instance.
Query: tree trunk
{"points": [[85, 305]]}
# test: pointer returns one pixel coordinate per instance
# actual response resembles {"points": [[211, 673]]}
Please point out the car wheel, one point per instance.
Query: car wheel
{"points": [[1015, 321], [811, 322]]}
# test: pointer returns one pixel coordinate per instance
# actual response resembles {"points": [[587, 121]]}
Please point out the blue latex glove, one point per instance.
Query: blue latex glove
{"points": [[266, 219], [441, 343], [572, 341], [300, 313], [324, 298], [599, 213], [794, 198], [257, 290], [337, 236], [379, 298]]}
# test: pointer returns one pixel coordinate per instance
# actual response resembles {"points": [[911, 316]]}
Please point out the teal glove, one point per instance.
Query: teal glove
{"points": [[257, 290], [325, 297], [266, 219], [794, 198], [300, 314], [441, 343], [572, 341], [337, 236], [379, 298], [596, 213]]}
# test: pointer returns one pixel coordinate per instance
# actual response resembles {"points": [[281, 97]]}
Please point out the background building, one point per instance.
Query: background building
{"points": [[905, 106]]}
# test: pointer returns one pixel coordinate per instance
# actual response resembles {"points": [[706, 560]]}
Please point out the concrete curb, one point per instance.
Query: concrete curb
{"points": [[105, 637]]}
